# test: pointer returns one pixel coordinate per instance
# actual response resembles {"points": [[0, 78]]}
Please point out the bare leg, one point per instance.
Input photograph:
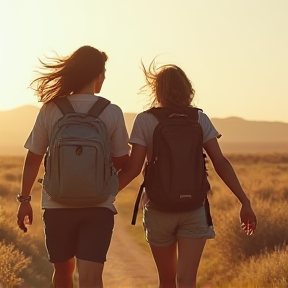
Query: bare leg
{"points": [[63, 274], [166, 262], [90, 274], [189, 255]]}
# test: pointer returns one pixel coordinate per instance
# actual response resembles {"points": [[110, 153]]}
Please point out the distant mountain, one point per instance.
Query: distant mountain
{"points": [[239, 135], [15, 126], [242, 136], [236, 129]]}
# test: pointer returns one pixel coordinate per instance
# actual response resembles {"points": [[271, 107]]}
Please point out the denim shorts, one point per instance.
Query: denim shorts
{"points": [[163, 229], [82, 232]]}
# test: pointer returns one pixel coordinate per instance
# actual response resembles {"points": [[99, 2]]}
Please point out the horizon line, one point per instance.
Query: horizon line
{"points": [[132, 112]]}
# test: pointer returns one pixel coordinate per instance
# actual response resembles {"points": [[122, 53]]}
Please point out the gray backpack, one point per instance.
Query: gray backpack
{"points": [[78, 166]]}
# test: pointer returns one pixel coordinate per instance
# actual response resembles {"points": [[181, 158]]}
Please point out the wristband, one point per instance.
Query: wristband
{"points": [[20, 198]]}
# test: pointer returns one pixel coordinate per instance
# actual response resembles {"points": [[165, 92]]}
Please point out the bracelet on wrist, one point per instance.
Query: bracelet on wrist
{"points": [[20, 198]]}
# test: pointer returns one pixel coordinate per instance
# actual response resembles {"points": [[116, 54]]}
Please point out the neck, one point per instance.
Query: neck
{"points": [[89, 89]]}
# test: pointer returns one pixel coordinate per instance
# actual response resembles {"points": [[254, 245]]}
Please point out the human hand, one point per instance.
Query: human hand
{"points": [[24, 215], [248, 219]]}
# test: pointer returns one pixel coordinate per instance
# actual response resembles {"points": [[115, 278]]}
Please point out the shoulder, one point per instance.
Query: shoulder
{"points": [[202, 116], [50, 111], [48, 106], [144, 123], [46, 109], [145, 118], [112, 113], [208, 128], [113, 108], [113, 117], [204, 120]]}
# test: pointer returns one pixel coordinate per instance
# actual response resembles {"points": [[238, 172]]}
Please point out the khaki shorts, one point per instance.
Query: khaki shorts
{"points": [[163, 229]]}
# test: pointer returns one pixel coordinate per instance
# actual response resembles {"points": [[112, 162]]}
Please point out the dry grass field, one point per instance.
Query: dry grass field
{"points": [[231, 260]]}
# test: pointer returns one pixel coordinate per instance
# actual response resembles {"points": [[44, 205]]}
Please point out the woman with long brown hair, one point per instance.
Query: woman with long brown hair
{"points": [[73, 233]]}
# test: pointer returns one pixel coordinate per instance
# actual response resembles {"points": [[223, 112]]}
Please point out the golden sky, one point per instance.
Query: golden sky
{"points": [[233, 51]]}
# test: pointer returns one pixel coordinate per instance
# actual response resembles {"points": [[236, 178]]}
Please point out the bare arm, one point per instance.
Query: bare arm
{"points": [[30, 171], [119, 162], [226, 172], [224, 169], [133, 166]]}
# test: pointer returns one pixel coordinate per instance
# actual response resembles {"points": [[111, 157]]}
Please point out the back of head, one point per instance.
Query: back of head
{"points": [[67, 75], [83, 66], [169, 85]]}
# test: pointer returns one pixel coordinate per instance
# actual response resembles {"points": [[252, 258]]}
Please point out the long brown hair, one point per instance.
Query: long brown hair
{"points": [[168, 85], [68, 75]]}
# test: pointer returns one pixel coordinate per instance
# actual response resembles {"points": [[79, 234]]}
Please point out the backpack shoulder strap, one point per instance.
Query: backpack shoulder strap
{"points": [[192, 113], [64, 105], [160, 113], [98, 107], [137, 202]]}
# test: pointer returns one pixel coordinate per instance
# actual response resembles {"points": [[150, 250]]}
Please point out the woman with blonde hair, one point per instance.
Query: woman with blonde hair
{"points": [[177, 238], [73, 233]]}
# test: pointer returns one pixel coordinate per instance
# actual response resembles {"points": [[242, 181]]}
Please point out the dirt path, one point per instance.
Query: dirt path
{"points": [[127, 265]]}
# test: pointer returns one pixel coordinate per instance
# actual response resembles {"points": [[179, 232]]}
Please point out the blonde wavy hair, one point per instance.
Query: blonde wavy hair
{"points": [[167, 85]]}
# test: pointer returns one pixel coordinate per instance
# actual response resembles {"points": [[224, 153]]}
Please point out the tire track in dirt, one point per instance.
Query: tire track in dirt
{"points": [[127, 264]]}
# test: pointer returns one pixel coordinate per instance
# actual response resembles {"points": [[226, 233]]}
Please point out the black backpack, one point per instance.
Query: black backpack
{"points": [[175, 179]]}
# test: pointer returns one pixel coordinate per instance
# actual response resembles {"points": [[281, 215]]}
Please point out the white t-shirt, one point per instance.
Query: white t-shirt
{"points": [[113, 118], [145, 123]]}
